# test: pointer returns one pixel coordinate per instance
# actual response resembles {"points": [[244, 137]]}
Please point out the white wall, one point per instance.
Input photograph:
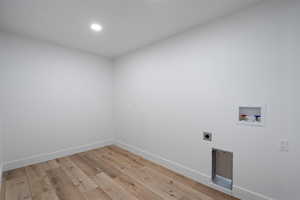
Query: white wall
{"points": [[168, 93], [54, 101]]}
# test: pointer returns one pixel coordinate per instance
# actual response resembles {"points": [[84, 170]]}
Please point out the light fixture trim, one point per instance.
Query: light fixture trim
{"points": [[96, 27]]}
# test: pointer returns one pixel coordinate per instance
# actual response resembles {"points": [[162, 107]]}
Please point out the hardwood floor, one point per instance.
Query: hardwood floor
{"points": [[108, 173]]}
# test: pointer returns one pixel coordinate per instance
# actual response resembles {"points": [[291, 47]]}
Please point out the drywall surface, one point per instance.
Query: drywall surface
{"points": [[168, 93], [53, 100]]}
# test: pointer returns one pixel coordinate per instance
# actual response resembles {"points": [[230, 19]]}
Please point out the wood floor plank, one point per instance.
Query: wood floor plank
{"points": [[42, 168], [137, 189], [127, 154], [165, 186], [110, 154], [38, 182], [3, 188], [53, 164], [216, 195], [16, 173], [115, 163], [111, 188], [17, 189], [109, 173], [78, 177], [49, 195], [63, 186], [96, 194], [89, 170], [131, 185], [96, 161]]}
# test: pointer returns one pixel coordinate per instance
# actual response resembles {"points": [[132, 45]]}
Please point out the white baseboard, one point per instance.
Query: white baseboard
{"points": [[14, 164], [237, 191], [245, 194], [167, 163], [1, 173]]}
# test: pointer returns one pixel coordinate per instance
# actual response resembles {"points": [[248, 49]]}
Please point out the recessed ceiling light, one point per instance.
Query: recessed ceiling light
{"points": [[96, 27]]}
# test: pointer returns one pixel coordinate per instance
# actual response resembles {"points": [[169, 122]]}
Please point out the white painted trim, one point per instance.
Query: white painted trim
{"points": [[237, 191], [221, 189], [245, 194], [224, 179], [167, 163], [53, 155], [1, 173]]}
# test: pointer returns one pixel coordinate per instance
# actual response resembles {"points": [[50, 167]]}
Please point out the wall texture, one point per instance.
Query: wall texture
{"points": [[54, 101], [168, 93]]}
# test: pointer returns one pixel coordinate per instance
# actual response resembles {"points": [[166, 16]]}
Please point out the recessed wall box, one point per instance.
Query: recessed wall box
{"points": [[222, 168], [251, 115]]}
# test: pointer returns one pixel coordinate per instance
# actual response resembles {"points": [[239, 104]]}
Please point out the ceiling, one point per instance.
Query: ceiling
{"points": [[127, 24]]}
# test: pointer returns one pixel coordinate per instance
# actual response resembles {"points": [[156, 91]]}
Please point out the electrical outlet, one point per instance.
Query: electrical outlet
{"points": [[284, 145], [207, 136]]}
